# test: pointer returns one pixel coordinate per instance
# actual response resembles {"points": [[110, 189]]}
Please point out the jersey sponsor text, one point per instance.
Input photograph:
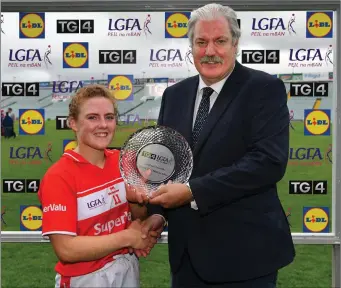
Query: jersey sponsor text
{"points": [[55, 207], [110, 225]]}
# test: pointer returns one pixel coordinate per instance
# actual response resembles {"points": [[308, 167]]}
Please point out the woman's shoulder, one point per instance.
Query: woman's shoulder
{"points": [[62, 169]]}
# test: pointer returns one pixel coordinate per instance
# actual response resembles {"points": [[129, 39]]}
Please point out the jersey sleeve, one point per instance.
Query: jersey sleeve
{"points": [[59, 205]]}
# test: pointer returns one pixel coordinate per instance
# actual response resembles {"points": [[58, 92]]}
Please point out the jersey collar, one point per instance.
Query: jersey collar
{"points": [[71, 154]]}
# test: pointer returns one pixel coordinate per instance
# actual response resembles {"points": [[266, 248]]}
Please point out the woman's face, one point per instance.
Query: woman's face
{"points": [[96, 123]]}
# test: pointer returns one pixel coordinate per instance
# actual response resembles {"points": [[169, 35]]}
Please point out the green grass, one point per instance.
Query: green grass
{"points": [[21, 267]]}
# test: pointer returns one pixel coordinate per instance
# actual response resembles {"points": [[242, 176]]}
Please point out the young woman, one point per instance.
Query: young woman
{"points": [[86, 214]]}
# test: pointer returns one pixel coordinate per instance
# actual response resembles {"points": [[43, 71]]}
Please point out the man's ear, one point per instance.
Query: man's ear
{"points": [[235, 45], [236, 42]]}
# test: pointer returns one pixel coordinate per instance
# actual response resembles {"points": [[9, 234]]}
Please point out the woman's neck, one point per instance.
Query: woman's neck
{"points": [[94, 156]]}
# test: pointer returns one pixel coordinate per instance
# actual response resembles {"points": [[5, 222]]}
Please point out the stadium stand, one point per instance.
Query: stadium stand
{"points": [[146, 106]]}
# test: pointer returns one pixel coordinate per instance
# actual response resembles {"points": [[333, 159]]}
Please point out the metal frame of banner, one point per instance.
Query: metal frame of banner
{"points": [[239, 5]]}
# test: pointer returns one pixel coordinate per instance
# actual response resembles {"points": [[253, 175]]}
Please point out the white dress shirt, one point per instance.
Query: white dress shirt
{"points": [[217, 88]]}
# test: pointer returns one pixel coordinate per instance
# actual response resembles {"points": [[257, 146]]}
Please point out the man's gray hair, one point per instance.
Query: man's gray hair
{"points": [[211, 12]]}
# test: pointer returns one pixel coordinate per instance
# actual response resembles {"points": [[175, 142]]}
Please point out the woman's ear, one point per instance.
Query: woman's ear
{"points": [[72, 124]]}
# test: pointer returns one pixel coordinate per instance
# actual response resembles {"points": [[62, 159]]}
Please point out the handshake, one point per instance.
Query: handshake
{"points": [[144, 235], [168, 195]]}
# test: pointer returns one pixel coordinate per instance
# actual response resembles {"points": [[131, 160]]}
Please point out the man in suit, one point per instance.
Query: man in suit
{"points": [[226, 227]]}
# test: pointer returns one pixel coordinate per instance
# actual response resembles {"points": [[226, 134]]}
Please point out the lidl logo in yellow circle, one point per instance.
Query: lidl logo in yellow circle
{"points": [[319, 25], [31, 218], [31, 122], [69, 144], [75, 55], [316, 219], [121, 87], [32, 25], [176, 24], [316, 122]]}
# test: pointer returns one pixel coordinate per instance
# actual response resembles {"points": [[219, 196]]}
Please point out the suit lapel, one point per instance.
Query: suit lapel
{"points": [[188, 103], [227, 94]]}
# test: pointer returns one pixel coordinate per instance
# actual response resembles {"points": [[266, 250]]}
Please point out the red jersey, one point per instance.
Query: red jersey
{"points": [[81, 199]]}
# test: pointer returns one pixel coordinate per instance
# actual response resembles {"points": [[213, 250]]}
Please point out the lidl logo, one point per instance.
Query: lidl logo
{"points": [[31, 218], [316, 122], [31, 25], [316, 219], [69, 144], [31, 121], [121, 87], [75, 55], [319, 25], [176, 24]]}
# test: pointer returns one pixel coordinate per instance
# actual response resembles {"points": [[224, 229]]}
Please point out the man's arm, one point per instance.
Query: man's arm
{"points": [[265, 162], [138, 211]]}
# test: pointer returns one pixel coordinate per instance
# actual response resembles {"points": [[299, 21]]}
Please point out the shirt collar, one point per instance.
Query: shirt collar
{"points": [[71, 154], [216, 86]]}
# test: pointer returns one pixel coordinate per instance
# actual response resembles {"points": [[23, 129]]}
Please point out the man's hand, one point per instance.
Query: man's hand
{"points": [[139, 241], [171, 195], [151, 227], [153, 224]]}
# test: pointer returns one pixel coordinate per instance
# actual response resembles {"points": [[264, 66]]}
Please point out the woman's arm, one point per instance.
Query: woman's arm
{"points": [[137, 198], [73, 249], [60, 225]]}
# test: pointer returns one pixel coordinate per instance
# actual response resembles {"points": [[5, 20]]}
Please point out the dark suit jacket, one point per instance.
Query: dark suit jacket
{"points": [[240, 230]]}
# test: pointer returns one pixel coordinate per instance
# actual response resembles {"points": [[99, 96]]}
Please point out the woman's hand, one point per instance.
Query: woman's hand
{"points": [[138, 194]]}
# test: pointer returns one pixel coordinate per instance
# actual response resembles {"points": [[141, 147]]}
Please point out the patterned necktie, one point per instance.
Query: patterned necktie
{"points": [[202, 114]]}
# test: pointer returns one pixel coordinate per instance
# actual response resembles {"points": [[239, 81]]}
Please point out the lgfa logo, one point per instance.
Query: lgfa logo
{"points": [[319, 25], [63, 90], [310, 156], [31, 121], [32, 56], [316, 219], [121, 87], [129, 27], [176, 24], [75, 55], [31, 25], [69, 144], [30, 155], [272, 26], [316, 122], [31, 218], [310, 57]]}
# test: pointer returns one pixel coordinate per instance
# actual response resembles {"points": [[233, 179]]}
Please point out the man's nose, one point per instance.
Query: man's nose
{"points": [[210, 49]]}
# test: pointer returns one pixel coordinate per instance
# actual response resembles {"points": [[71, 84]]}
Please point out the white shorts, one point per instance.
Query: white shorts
{"points": [[122, 272]]}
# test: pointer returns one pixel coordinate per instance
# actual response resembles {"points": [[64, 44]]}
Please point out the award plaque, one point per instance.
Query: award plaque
{"points": [[154, 155]]}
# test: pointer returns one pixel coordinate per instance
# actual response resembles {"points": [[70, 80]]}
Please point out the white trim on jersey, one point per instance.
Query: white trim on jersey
{"points": [[94, 188], [59, 232], [101, 201], [73, 157]]}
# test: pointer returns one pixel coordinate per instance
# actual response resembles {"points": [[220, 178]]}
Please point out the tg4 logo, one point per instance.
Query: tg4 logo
{"points": [[308, 187], [20, 185]]}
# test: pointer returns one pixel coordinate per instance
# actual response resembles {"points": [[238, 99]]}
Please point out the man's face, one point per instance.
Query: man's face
{"points": [[214, 53]]}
